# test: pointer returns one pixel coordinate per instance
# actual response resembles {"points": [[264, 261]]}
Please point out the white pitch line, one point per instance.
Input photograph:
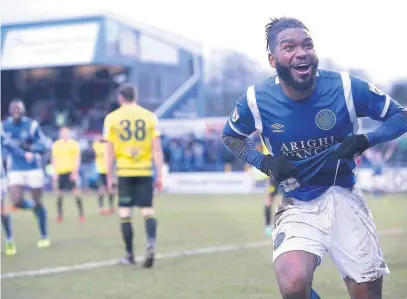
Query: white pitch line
{"points": [[91, 265], [193, 252]]}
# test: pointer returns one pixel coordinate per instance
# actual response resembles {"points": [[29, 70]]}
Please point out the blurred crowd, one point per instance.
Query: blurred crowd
{"points": [[61, 96], [192, 153]]}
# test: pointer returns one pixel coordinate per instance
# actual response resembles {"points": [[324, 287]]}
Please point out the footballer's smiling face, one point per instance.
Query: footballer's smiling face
{"points": [[295, 59]]}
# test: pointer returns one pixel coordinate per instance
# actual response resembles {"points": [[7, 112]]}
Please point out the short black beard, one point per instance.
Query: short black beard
{"points": [[284, 73]]}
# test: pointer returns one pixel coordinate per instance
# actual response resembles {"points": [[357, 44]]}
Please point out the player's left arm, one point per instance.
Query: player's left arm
{"points": [[371, 102], [158, 156], [41, 143]]}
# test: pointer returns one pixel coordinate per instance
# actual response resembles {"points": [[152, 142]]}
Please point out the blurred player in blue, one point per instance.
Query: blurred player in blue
{"points": [[5, 216], [7, 145], [26, 170], [308, 120]]}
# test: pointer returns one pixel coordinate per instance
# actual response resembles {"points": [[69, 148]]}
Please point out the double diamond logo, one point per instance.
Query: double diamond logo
{"points": [[278, 128]]}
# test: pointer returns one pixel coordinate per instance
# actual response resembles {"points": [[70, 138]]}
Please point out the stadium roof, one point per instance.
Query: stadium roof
{"points": [[163, 35]]}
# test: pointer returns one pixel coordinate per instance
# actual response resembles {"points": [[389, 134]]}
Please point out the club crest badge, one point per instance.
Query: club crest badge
{"points": [[325, 119]]}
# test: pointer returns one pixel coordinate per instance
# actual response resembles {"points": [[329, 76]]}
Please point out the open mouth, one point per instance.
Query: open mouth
{"points": [[302, 68]]}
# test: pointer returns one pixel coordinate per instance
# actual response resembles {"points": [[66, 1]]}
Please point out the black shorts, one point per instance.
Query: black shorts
{"points": [[136, 192], [65, 183], [273, 187], [102, 180]]}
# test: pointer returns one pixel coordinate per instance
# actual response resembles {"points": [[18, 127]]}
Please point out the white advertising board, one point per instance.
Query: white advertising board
{"points": [[393, 180], [209, 183], [50, 46]]}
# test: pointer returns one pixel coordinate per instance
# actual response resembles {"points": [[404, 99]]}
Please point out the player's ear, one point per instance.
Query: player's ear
{"points": [[272, 60]]}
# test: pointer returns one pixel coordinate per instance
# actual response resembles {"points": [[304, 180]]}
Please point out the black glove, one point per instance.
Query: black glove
{"points": [[278, 167], [351, 147]]}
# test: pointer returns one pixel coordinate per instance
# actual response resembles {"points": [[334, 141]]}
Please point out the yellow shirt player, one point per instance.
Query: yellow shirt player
{"points": [[99, 148], [66, 161], [134, 141]]}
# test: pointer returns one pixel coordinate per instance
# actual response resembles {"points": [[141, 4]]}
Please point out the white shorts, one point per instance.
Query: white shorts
{"points": [[338, 223], [31, 178]]}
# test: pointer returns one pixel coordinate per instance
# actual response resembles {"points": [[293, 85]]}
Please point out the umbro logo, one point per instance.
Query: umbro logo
{"points": [[277, 128]]}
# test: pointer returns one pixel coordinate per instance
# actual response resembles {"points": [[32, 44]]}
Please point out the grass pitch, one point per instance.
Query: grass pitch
{"points": [[186, 222]]}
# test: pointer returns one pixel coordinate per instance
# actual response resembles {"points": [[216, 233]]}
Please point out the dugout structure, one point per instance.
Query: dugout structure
{"points": [[166, 68]]}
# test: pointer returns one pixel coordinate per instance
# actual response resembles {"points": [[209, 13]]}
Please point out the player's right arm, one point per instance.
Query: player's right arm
{"points": [[158, 156], [235, 138], [108, 135], [236, 132]]}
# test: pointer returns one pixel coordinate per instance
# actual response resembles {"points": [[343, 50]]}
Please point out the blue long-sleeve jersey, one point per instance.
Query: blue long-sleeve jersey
{"points": [[306, 131], [26, 135]]}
